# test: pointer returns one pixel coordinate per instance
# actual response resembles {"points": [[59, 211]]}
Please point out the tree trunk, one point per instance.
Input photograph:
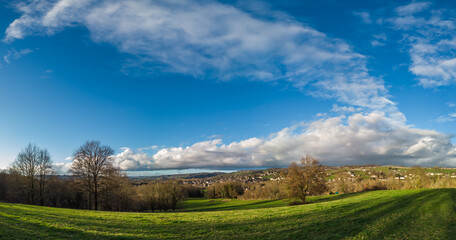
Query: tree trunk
{"points": [[32, 190], [41, 198], [90, 200], [41, 190], [96, 194]]}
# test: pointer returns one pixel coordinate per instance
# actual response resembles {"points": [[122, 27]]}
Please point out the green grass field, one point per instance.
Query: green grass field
{"points": [[398, 214], [228, 204]]}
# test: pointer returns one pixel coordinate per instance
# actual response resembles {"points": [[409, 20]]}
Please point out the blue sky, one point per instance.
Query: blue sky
{"points": [[230, 84]]}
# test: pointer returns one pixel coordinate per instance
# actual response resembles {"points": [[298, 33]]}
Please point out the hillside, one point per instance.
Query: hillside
{"points": [[347, 172], [395, 214]]}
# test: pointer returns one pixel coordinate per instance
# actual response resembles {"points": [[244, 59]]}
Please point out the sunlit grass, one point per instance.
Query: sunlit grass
{"points": [[399, 214]]}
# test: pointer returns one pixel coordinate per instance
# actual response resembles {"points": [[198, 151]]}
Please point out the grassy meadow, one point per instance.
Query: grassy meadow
{"points": [[394, 214]]}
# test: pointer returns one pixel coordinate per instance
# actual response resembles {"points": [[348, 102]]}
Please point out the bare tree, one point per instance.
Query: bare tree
{"points": [[306, 179], [420, 179], [33, 164], [92, 161], [44, 169], [26, 165]]}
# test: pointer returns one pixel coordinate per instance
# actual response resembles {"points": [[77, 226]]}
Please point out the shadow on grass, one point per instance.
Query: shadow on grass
{"points": [[215, 206], [13, 228], [337, 197], [393, 216], [24, 222], [451, 227]]}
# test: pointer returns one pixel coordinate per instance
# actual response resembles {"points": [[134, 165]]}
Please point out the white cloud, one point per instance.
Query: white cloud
{"points": [[412, 8], [446, 118], [14, 54], [214, 136], [365, 16], [208, 39], [380, 36], [431, 36], [376, 43], [344, 109], [449, 117], [148, 148], [62, 168], [128, 159], [433, 63], [379, 39], [358, 139], [405, 18]]}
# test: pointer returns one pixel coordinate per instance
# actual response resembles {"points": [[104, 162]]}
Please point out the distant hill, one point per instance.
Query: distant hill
{"points": [[359, 172]]}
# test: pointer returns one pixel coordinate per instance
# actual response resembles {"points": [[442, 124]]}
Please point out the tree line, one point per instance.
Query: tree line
{"points": [[94, 183]]}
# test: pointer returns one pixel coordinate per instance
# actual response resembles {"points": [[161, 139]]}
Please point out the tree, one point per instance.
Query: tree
{"points": [[229, 189], [26, 165], [175, 193], [306, 179], [92, 162], [116, 191], [5, 185], [33, 164], [420, 179]]}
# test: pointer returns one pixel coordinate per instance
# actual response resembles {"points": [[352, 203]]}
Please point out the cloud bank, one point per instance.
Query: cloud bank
{"points": [[357, 139]]}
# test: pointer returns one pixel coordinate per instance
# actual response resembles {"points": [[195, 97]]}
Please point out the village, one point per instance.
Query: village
{"points": [[354, 173]]}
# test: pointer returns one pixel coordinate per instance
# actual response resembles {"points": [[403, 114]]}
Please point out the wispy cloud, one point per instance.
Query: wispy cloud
{"points": [[365, 16], [446, 118], [14, 54], [148, 148], [412, 8], [379, 39], [376, 43], [431, 37], [344, 109], [208, 39], [450, 117]]}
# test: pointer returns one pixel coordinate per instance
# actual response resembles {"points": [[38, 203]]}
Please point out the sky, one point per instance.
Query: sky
{"points": [[181, 86]]}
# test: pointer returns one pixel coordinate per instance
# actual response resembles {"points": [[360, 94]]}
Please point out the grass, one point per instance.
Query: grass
{"points": [[398, 214], [229, 204]]}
